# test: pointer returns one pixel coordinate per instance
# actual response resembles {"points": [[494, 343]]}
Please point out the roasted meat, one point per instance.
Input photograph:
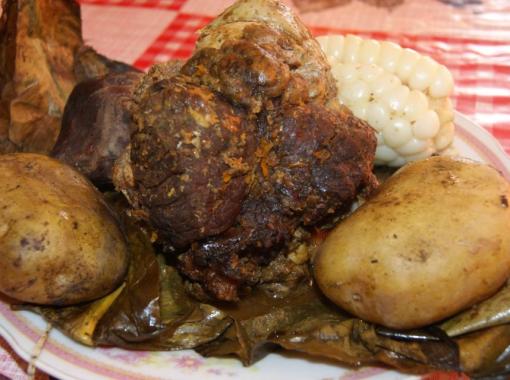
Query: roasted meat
{"points": [[243, 148], [258, 51], [311, 163], [96, 125], [189, 161]]}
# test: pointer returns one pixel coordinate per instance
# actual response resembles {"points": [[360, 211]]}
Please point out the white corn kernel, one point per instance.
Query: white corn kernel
{"points": [[360, 110], [385, 154], [443, 108], [396, 99], [426, 126], [416, 104], [335, 47], [406, 63], [369, 51], [413, 146], [445, 136], [377, 115], [344, 73], [355, 91], [389, 56], [397, 133], [368, 72], [442, 83], [400, 93], [351, 47], [423, 73], [384, 83]]}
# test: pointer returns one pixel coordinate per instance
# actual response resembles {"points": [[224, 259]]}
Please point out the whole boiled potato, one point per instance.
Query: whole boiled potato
{"points": [[433, 240], [59, 242]]}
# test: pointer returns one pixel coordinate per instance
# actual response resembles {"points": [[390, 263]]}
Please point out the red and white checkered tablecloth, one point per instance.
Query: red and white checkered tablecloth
{"points": [[471, 37]]}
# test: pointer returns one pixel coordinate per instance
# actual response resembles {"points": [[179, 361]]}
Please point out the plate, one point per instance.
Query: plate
{"points": [[65, 359]]}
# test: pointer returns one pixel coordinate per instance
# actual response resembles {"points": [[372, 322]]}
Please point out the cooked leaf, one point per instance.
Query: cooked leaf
{"points": [[305, 322], [135, 315], [38, 43], [42, 58], [153, 311], [486, 353], [491, 312], [79, 322], [195, 323]]}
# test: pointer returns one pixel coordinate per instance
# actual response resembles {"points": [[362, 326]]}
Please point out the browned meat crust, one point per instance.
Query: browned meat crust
{"points": [[260, 64], [244, 147], [311, 164], [190, 160]]}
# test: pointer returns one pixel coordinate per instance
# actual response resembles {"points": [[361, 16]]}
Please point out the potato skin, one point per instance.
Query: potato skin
{"points": [[59, 242], [433, 240]]}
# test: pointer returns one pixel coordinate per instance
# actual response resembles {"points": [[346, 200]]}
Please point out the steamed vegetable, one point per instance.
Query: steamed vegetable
{"points": [[431, 242], [400, 93], [59, 242]]}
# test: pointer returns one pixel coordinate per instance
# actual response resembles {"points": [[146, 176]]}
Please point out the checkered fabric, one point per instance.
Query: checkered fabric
{"points": [[176, 42], [469, 37], [174, 5], [460, 37]]}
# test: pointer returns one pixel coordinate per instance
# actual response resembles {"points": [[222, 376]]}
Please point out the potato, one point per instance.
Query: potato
{"points": [[59, 242], [433, 240]]}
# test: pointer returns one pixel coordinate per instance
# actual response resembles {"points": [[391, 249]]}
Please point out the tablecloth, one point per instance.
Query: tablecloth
{"points": [[470, 37]]}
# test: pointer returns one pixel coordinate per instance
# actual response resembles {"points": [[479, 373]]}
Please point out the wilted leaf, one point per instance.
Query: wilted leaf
{"points": [[485, 352], [79, 322], [491, 312], [154, 312], [42, 58], [38, 42], [305, 322]]}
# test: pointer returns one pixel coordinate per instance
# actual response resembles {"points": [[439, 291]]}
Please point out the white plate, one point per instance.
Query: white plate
{"points": [[65, 359]]}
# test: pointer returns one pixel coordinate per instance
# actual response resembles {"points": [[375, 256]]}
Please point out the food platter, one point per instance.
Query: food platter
{"points": [[65, 359]]}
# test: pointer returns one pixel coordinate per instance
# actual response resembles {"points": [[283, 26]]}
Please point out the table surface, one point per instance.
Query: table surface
{"points": [[470, 37]]}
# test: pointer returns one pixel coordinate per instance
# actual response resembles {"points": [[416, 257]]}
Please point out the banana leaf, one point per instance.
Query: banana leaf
{"points": [[42, 58], [38, 40], [491, 312], [154, 313], [485, 354], [306, 322]]}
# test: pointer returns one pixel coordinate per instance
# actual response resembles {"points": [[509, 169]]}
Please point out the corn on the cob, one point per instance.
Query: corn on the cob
{"points": [[400, 93]]}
